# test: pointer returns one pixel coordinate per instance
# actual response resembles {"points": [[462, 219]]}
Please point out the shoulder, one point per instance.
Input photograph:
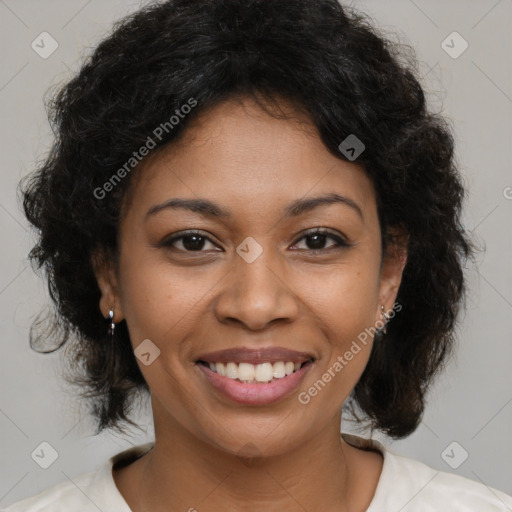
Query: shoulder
{"points": [[64, 496], [409, 485], [89, 492], [414, 486]]}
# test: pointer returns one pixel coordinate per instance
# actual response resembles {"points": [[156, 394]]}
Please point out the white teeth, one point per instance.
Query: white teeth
{"points": [[263, 372], [232, 371], [289, 367], [246, 371], [278, 368], [220, 369]]}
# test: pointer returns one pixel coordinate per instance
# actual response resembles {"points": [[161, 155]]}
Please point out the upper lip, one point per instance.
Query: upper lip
{"points": [[255, 356]]}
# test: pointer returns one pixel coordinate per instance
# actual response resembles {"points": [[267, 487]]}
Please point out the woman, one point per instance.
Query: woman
{"points": [[250, 214]]}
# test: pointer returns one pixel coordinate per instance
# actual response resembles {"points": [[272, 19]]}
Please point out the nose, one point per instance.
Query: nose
{"points": [[257, 294]]}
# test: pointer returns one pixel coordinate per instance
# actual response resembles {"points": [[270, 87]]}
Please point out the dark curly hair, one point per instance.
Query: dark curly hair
{"points": [[331, 63]]}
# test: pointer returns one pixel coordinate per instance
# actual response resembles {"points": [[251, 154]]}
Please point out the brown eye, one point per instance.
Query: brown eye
{"points": [[316, 240], [188, 242]]}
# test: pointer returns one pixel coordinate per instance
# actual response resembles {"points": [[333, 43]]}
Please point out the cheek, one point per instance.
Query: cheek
{"points": [[165, 304], [345, 306], [162, 306], [344, 298], [157, 304]]}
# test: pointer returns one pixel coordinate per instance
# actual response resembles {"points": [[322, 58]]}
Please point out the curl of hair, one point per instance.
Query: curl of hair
{"points": [[330, 63]]}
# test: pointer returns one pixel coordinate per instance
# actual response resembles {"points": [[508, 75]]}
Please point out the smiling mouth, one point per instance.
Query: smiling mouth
{"points": [[248, 373]]}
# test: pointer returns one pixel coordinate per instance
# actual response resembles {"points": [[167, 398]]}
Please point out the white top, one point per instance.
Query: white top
{"points": [[405, 485]]}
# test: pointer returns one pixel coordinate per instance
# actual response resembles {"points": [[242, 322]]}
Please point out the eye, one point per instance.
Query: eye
{"points": [[195, 241], [189, 241], [316, 240]]}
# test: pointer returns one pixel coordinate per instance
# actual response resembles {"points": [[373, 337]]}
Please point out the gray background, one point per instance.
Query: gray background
{"points": [[471, 401]]}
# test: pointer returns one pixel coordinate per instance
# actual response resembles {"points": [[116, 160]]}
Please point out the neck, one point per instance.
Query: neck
{"points": [[186, 472]]}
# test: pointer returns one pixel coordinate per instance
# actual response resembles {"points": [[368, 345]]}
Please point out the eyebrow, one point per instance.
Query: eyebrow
{"points": [[294, 209]]}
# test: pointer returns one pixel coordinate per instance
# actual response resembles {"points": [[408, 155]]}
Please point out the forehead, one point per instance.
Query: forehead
{"points": [[238, 153]]}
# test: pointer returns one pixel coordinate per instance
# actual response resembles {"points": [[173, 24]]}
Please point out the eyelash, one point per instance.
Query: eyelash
{"points": [[340, 242]]}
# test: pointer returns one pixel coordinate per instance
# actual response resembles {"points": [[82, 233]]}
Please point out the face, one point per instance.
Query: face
{"points": [[264, 267]]}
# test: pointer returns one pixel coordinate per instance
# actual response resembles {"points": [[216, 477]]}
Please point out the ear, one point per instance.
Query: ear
{"points": [[106, 277], [393, 264]]}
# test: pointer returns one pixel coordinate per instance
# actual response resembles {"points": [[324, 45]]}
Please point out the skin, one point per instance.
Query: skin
{"points": [[191, 302]]}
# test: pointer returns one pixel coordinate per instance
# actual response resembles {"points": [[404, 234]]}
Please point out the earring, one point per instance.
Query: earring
{"points": [[112, 327], [384, 330], [110, 360]]}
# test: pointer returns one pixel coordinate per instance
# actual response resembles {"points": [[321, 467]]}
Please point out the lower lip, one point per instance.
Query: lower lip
{"points": [[255, 393]]}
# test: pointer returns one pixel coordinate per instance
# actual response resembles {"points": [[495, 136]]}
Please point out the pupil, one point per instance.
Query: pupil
{"points": [[197, 244], [319, 238]]}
